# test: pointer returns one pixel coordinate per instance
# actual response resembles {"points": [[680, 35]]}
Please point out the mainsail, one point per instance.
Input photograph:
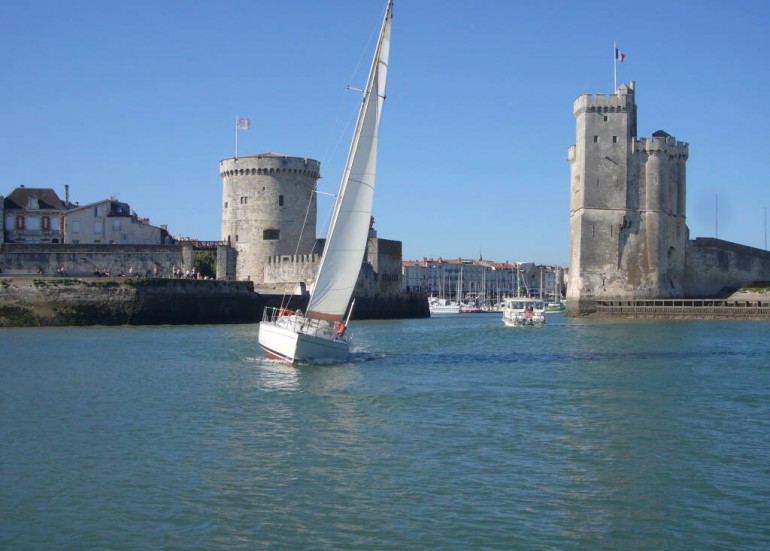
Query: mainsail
{"points": [[348, 232]]}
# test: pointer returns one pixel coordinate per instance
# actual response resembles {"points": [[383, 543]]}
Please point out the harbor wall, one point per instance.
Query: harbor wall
{"points": [[714, 266], [52, 301], [61, 301], [743, 306], [87, 259]]}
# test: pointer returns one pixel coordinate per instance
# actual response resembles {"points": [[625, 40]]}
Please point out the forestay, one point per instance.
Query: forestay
{"points": [[349, 228]]}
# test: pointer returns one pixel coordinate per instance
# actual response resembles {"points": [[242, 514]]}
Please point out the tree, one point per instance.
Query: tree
{"points": [[205, 263]]}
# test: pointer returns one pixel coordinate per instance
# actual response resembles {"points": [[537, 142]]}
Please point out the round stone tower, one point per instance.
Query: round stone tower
{"points": [[265, 201]]}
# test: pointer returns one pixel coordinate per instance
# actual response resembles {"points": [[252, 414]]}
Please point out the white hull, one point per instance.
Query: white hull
{"points": [[443, 306], [448, 309], [523, 312], [523, 322], [298, 339]]}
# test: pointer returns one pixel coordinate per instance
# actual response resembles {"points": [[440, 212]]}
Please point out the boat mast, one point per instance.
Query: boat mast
{"points": [[333, 289]]}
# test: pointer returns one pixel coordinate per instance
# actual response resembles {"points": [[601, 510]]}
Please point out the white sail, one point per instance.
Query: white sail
{"points": [[320, 333], [346, 240]]}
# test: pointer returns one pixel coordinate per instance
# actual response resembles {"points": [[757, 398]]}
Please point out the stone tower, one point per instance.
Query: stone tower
{"points": [[265, 201], [627, 207]]}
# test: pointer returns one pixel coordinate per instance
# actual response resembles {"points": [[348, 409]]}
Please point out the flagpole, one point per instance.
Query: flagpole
{"points": [[615, 65], [236, 137]]}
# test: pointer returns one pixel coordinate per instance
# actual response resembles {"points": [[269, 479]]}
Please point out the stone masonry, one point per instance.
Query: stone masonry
{"points": [[628, 232]]}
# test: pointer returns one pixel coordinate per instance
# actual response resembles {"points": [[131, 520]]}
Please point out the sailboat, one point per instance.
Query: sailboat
{"points": [[321, 332]]}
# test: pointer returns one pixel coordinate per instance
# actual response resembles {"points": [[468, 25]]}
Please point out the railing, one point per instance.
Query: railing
{"points": [[685, 308], [296, 321]]}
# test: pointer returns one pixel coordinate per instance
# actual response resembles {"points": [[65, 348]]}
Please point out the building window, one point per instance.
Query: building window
{"points": [[225, 204], [280, 200], [97, 227], [96, 212], [596, 139], [271, 235], [20, 224], [614, 139], [116, 225], [75, 226], [605, 118], [45, 223]]}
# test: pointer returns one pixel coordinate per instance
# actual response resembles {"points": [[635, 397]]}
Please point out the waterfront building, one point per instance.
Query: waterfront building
{"points": [[39, 216], [112, 222], [33, 215], [480, 281]]}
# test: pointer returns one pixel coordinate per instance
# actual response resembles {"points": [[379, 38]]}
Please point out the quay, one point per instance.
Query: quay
{"points": [[687, 308], [40, 301]]}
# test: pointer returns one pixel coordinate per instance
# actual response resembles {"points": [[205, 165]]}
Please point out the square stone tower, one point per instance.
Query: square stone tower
{"points": [[627, 207]]}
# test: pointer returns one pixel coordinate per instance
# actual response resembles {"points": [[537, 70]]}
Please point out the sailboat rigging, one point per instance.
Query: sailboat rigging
{"points": [[321, 332]]}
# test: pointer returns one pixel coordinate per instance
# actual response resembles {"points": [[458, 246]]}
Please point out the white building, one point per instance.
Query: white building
{"points": [[480, 281], [110, 222]]}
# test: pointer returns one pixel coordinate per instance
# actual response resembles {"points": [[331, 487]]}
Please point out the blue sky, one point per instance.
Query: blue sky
{"points": [[139, 99]]}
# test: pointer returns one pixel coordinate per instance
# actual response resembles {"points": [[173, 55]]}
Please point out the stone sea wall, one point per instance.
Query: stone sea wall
{"points": [[55, 301], [62, 301]]}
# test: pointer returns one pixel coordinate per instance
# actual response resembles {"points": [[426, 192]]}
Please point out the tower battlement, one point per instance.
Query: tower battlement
{"points": [[620, 102], [661, 144], [269, 164]]}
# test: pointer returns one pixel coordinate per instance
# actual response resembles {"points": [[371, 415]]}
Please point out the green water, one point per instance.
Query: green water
{"points": [[446, 433]]}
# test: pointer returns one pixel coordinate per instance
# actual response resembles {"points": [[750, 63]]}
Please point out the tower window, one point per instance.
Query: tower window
{"points": [[280, 200], [614, 139], [271, 235], [596, 139], [605, 118], [225, 204]]}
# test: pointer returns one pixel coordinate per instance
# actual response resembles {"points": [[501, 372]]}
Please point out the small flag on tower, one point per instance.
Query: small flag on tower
{"points": [[242, 123], [619, 55]]}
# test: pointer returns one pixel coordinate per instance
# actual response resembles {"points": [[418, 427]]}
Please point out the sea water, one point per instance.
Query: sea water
{"points": [[447, 433]]}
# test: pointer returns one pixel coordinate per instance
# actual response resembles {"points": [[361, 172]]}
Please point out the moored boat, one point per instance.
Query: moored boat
{"points": [[440, 306], [552, 307]]}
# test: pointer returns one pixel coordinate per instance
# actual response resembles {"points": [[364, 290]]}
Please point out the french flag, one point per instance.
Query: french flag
{"points": [[619, 55]]}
